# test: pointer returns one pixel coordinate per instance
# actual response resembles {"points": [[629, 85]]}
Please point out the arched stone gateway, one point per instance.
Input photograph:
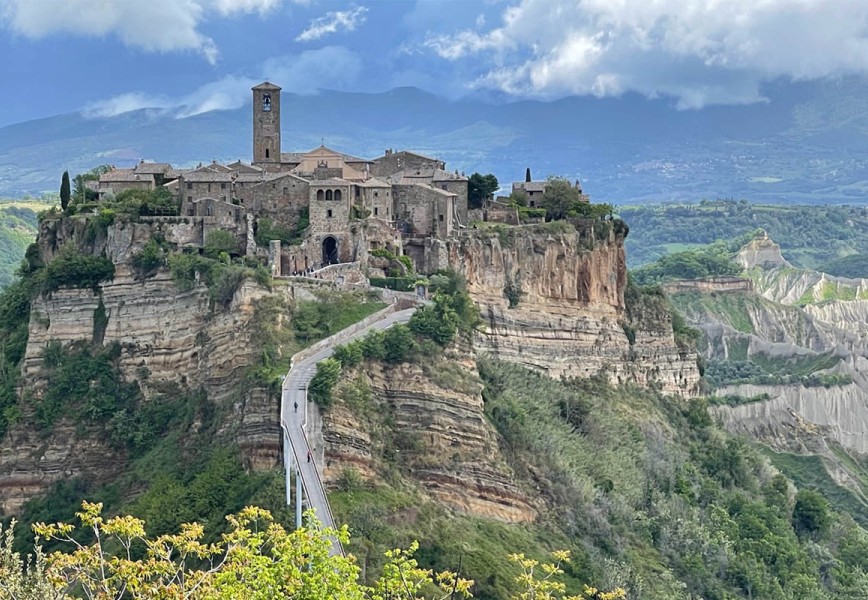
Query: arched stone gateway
{"points": [[329, 251]]}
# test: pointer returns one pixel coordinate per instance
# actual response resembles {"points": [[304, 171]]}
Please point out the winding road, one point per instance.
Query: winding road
{"points": [[294, 420]]}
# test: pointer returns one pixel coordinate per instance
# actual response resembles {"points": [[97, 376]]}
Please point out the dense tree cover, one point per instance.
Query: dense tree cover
{"points": [[80, 192], [707, 261], [854, 266], [479, 188], [255, 559], [561, 200], [17, 231], [706, 513], [452, 311], [810, 236]]}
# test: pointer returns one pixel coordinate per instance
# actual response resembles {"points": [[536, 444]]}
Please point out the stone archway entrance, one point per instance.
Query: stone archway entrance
{"points": [[329, 251]]}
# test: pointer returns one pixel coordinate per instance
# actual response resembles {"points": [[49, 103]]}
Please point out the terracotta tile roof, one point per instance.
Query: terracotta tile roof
{"points": [[258, 177], [373, 182], [125, 175], [425, 176], [407, 153], [243, 167], [152, 168], [326, 182], [530, 186], [206, 176], [266, 85], [292, 157]]}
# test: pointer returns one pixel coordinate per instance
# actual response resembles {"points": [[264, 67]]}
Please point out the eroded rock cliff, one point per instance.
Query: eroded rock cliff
{"points": [[552, 298], [165, 336], [426, 421]]}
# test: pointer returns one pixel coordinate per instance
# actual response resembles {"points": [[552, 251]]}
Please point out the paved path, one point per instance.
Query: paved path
{"points": [[293, 421]]}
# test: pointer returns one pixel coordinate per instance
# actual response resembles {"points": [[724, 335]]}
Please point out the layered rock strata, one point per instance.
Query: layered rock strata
{"points": [[437, 435], [568, 313]]}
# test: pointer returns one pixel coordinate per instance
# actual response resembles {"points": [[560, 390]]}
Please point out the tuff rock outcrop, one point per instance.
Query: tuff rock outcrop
{"points": [[568, 316]]}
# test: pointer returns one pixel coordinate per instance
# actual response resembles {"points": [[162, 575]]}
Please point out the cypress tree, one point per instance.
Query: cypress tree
{"points": [[527, 175], [64, 190]]}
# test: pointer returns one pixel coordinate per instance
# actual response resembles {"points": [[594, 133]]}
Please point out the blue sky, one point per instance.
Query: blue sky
{"points": [[188, 56]]}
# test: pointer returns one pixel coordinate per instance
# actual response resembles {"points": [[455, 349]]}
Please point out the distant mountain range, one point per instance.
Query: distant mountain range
{"points": [[809, 143]]}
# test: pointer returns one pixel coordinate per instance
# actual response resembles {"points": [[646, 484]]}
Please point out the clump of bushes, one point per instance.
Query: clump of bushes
{"points": [[267, 230], [72, 268], [430, 329], [221, 276]]}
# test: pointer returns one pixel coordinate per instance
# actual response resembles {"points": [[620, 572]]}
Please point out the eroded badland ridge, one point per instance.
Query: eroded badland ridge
{"points": [[792, 344], [206, 304]]}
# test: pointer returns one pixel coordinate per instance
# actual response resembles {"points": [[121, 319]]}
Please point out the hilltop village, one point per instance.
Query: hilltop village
{"points": [[341, 207]]}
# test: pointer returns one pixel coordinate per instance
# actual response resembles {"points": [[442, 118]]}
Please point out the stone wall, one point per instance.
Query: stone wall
{"points": [[281, 200], [709, 285], [424, 210], [392, 162]]}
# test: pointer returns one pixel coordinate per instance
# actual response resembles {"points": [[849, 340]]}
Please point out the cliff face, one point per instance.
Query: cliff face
{"points": [[165, 335], [570, 315], [428, 423]]}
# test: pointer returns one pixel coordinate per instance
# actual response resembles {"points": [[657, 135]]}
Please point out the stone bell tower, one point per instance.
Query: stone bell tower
{"points": [[266, 126]]}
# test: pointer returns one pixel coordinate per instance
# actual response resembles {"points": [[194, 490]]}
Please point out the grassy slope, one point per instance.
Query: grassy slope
{"points": [[810, 236], [17, 231], [644, 490]]}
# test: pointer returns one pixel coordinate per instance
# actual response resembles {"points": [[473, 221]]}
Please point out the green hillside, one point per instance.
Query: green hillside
{"points": [[17, 231], [814, 237]]}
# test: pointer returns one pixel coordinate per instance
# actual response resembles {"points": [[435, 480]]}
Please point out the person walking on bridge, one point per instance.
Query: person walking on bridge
{"points": [[308, 456]]}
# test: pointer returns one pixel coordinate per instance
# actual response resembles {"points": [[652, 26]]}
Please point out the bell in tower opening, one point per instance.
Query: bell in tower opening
{"points": [[266, 102]]}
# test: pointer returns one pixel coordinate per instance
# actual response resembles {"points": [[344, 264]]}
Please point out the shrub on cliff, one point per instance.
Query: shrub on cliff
{"points": [[328, 370], [152, 257], [72, 268]]}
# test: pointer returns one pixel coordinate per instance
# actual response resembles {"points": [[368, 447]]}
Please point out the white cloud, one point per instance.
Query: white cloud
{"points": [[124, 103], [331, 67], [699, 51], [332, 22], [152, 25]]}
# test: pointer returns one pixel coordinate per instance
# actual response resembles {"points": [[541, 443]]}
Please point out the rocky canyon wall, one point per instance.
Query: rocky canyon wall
{"points": [[552, 299]]}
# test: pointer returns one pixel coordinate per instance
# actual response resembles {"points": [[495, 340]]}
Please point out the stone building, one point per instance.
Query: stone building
{"points": [[535, 190], [325, 205]]}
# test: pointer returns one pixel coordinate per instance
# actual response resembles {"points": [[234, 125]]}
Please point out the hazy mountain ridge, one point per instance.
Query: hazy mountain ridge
{"points": [[806, 144]]}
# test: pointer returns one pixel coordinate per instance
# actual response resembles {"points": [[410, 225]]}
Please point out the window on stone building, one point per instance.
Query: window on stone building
{"points": [[222, 186], [209, 211], [267, 153], [329, 213], [320, 194], [376, 195], [189, 198], [209, 187], [285, 191], [266, 106], [329, 195], [376, 211], [441, 218], [337, 194], [189, 185], [387, 211]]}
